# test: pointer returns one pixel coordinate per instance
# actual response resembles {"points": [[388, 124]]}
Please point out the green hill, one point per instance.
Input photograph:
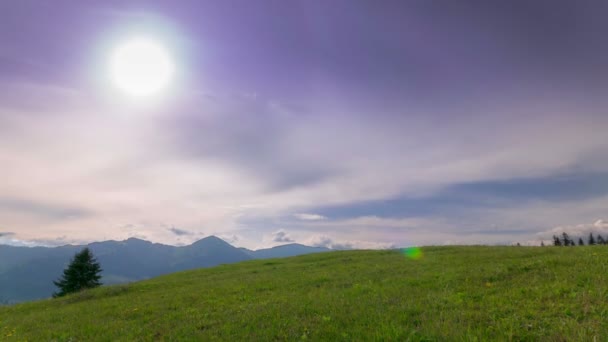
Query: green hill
{"points": [[450, 293]]}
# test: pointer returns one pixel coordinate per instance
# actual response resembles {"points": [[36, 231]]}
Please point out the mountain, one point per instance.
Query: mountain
{"points": [[27, 273], [292, 249], [208, 252]]}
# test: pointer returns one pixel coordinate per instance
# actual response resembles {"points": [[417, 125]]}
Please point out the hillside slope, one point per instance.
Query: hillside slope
{"points": [[28, 273], [451, 293]]}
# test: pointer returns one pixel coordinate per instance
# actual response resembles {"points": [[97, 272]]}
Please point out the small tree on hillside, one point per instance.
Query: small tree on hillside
{"points": [[82, 273], [600, 240], [580, 241], [591, 240]]}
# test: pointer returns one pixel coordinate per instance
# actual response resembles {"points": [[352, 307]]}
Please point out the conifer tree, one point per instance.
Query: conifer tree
{"points": [[580, 241], [591, 240], [542, 244], [82, 273], [556, 241], [600, 240], [566, 238]]}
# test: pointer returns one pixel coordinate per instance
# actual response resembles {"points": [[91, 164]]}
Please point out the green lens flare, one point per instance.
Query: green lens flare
{"points": [[414, 253]]}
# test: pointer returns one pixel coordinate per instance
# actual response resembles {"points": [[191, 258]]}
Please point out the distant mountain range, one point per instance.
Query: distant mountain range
{"points": [[27, 273]]}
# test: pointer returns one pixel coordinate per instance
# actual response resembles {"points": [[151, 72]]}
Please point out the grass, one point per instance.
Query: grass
{"points": [[450, 293]]}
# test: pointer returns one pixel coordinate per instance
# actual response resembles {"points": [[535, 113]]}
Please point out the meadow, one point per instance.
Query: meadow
{"points": [[475, 293]]}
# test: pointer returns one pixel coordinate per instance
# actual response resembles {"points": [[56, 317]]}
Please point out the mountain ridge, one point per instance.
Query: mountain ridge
{"points": [[27, 273]]}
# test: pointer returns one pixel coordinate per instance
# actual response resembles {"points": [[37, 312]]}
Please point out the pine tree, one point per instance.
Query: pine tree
{"points": [[567, 240], [556, 241], [591, 240], [580, 241], [600, 240], [82, 273], [542, 244]]}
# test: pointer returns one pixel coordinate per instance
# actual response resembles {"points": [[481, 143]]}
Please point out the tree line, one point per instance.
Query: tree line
{"points": [[566, 240]]}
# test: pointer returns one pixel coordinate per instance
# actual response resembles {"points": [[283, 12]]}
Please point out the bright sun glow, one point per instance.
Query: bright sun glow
{"points": [[141, 67]]}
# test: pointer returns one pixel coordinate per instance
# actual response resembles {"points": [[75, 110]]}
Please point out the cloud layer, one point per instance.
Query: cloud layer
{"points": [[400, 135]]}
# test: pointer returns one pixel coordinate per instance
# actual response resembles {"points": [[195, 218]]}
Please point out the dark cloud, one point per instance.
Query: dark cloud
{"points": [[327, 242], [281, 236], [47, 210], [179, 232], [567, 187], [457, 199], [6, 234]]}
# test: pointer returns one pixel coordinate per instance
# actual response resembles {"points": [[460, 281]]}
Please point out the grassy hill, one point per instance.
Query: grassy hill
{"points": [[451, 293]]}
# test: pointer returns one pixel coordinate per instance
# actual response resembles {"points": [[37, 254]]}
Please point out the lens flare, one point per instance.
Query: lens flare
{"points": [[413, 253]]}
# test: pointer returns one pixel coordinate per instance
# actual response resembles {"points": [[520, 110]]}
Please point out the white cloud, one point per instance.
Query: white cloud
{"points": [[577, 230], [7, 240], [309, 217], [328, 242], [601, 224]]}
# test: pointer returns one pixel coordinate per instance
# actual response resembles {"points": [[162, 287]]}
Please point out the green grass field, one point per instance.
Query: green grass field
{"points": [[449, 294]]}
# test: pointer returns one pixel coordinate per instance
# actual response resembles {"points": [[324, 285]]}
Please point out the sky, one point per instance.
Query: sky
{"points": [[345, 124]]}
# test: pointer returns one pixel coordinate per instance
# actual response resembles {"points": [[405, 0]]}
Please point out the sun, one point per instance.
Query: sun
{"points": [[141, 67]]}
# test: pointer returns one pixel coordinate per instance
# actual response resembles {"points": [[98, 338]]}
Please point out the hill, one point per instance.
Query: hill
{"points": [[451, 293], [292, 249], [28, 273]]}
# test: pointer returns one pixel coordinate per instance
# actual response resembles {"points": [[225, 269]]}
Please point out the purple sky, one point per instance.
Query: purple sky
{"points": [[337, 123]]}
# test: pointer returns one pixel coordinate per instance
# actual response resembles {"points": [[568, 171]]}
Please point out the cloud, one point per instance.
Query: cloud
{"points": [[52, 211], [328, 242], [9, 239], [281, 236], [179, 232], [247, 156], [6, 234], [230, 238], [601, 224], [309, 217], [251, 135], [578, 230], [138, 236]]}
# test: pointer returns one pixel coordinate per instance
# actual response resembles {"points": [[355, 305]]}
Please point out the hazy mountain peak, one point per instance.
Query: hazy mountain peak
{"points": [[212, 239], [28, 273], [133, 240]]}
